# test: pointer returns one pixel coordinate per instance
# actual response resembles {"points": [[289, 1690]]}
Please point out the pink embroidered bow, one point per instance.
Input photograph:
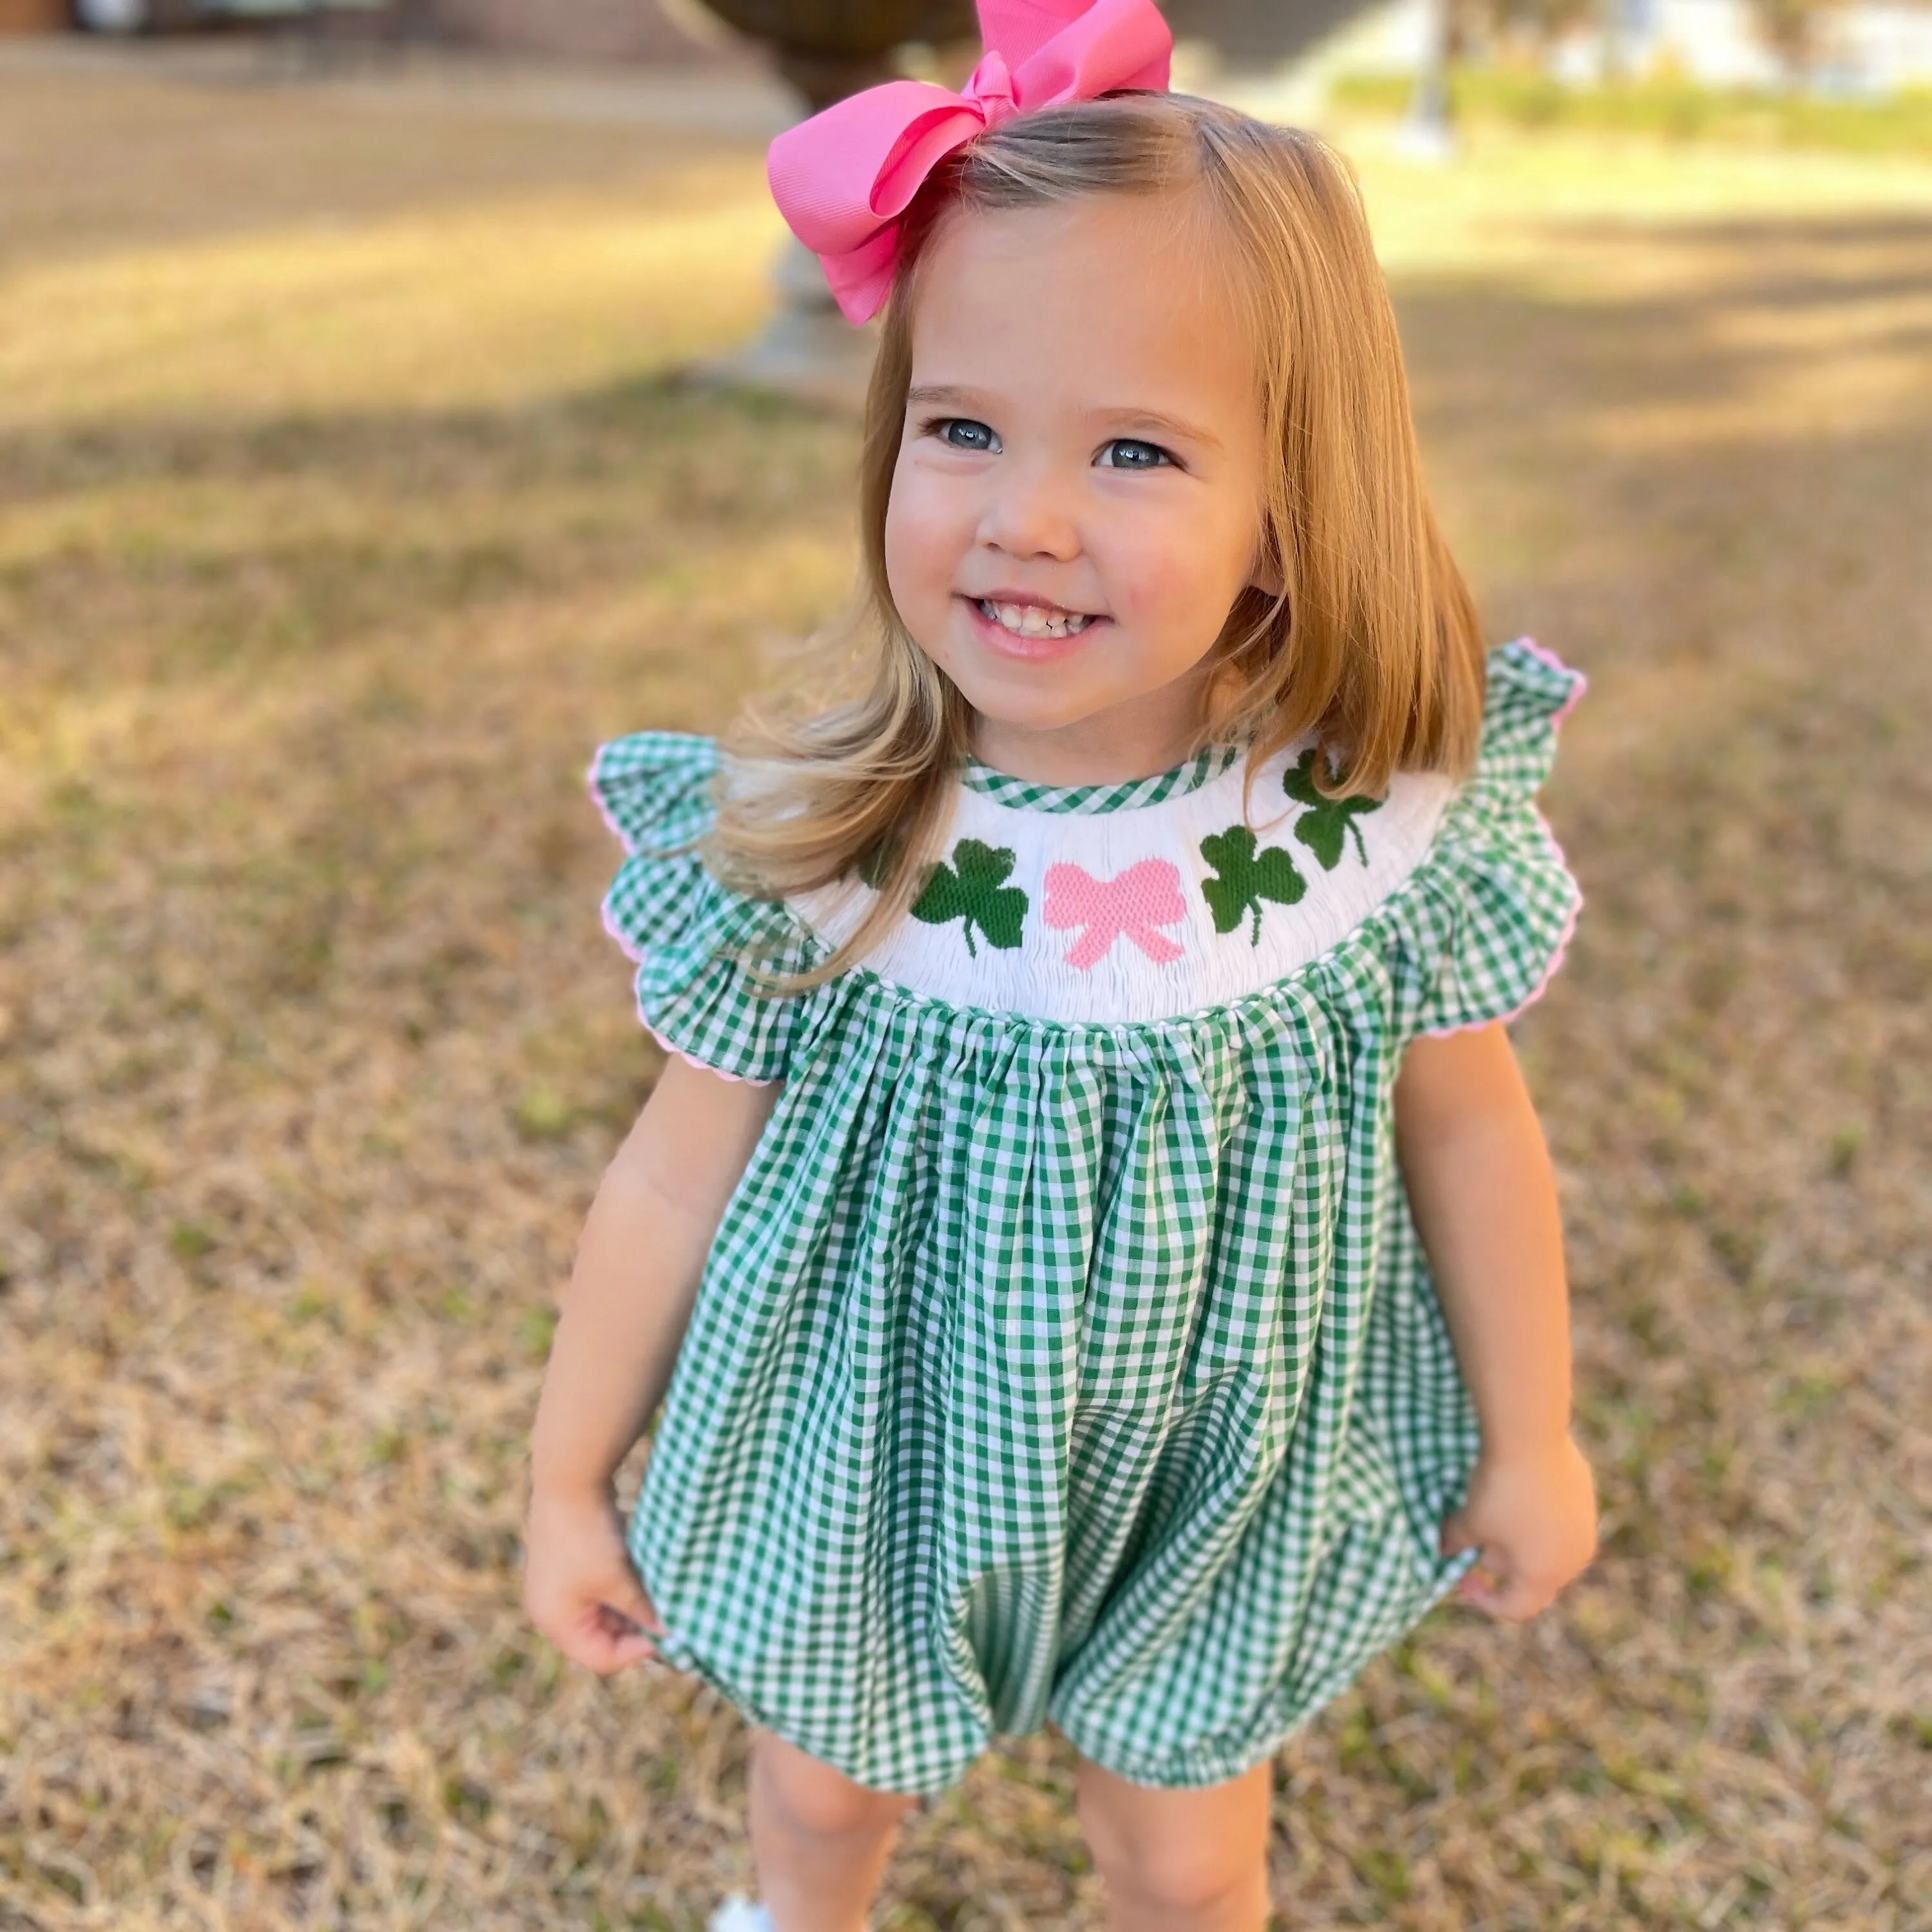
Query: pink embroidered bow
{"points": [[1133, 902], [843, 179]]}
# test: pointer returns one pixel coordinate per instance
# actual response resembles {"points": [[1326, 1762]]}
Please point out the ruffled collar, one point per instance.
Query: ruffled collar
{"points": [[1127, 795]]}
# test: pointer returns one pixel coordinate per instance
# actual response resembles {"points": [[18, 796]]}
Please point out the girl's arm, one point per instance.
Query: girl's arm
{"points": [[1484, 1199], [623, 1316]]}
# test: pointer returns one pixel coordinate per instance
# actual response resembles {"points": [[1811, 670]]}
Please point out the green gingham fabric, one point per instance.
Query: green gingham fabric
{"points": [[1030, 795], [1083, 1373]]}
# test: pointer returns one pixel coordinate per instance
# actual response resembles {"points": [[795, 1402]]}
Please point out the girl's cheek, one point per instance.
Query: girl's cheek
{"points": [[921, 546], [1174, 579], [1144, 586], [902, 553]]}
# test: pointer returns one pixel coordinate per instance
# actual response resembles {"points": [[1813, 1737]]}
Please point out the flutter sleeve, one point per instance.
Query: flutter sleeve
{"points": [[695, 941], [1493, 905]]}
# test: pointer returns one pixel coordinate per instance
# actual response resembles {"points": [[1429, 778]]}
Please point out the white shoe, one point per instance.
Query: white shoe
{"points": [[738, 1914]]}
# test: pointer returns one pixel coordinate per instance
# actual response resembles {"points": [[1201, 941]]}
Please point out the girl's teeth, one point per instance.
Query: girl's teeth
{"points": [[1030, 620]]}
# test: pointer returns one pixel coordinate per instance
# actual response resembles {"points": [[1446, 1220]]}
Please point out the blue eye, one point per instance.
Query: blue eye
{"points": [[1128, 452], [963, 432]]}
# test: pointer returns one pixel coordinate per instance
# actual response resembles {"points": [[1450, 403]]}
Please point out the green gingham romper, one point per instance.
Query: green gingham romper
{"points": [[1066, 1352]]}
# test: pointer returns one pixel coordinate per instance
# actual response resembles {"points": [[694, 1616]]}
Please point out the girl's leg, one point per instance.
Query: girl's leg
{"points": [[1179, 1861], [820, 1841]]}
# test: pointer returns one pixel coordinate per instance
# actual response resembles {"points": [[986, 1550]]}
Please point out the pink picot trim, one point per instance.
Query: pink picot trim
{"points": [[591, 785], [1131, 903], [1556, 966], [631, 953], [1549, 972], [691, 1059], [623, 939], [1556, 664]]}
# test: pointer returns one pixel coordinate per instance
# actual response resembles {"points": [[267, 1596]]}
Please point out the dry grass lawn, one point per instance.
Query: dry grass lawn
{"points": [[344, 505]]}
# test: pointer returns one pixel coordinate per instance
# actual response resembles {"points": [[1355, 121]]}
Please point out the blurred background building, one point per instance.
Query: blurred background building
{"points": [[1845, 47]]}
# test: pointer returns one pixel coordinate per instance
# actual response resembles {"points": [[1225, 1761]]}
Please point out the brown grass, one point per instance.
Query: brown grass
{"points": [[345, 510]]}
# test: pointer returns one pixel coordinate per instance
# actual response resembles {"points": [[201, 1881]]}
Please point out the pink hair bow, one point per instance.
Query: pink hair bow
{"points": [[843, 179]]}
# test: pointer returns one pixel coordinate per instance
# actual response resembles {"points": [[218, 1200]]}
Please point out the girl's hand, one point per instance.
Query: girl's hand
{"points": [[1535, 1518], [579, 1588]]}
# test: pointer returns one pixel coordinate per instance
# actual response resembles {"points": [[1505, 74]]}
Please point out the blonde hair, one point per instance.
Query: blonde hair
{"points": [[1373, 641]]}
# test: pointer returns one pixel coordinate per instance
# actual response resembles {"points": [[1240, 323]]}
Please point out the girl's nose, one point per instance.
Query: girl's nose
{"points": [[1031, 513]]}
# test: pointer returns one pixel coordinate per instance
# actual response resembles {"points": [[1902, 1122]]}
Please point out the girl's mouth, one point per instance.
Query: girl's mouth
{"points": [[1031, 631], [1034, 620]]}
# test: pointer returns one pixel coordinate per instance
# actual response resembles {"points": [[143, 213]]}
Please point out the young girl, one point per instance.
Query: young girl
{"points": [[1110, 1264]]}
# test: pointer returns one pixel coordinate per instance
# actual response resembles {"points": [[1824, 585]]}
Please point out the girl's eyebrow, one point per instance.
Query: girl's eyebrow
{"points": [[1167, 425], [945, 393], [948, 395]]}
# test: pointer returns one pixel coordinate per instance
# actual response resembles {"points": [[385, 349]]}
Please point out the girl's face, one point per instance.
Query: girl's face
{"points": [[1077, 500]]}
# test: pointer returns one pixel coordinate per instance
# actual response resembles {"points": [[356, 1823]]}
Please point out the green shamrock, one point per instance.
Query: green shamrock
{"points": [[974, 893], [1246, 878], [1322, 826]]}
